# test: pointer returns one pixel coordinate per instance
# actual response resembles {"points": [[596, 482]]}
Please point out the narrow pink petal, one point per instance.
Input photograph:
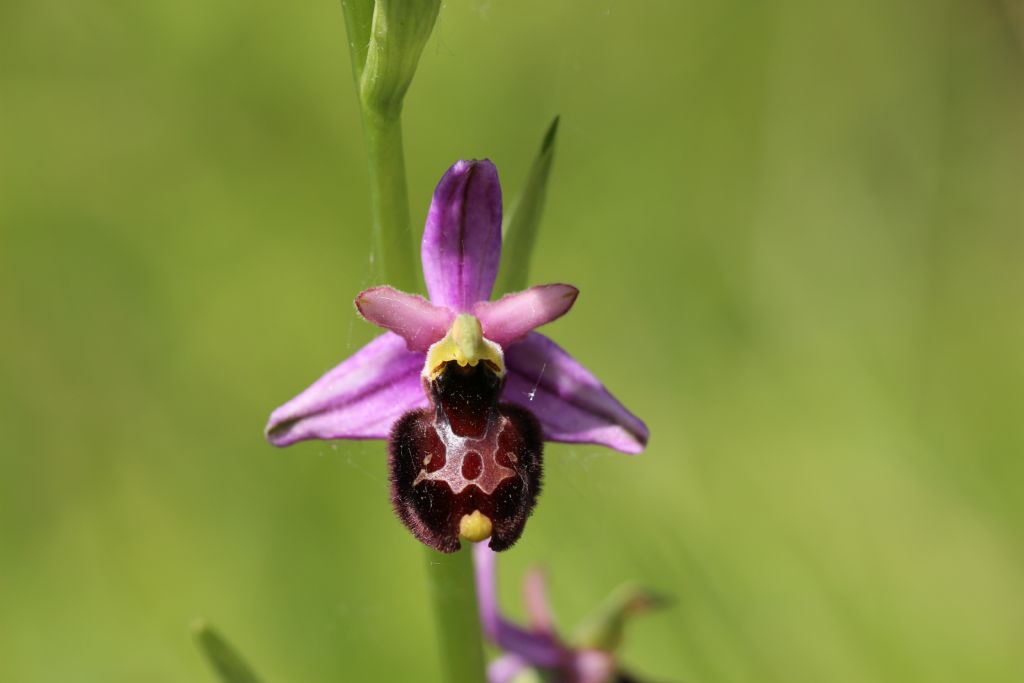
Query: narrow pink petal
{"points": [[513, 316], [462, 238], [411, 317], [359, 399], [535, 596], [504, 669], [570, 403], [539, 649], [485, 573]]}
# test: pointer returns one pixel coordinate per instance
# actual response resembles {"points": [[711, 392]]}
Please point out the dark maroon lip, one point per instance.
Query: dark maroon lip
{"points": [[467, 453]]}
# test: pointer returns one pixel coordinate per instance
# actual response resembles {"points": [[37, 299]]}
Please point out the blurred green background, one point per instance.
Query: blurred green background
{"points": [[798, 229]]}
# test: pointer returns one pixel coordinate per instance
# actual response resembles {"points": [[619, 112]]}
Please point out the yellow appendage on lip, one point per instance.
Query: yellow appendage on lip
{"points": [[475, 527], [465, 344]]}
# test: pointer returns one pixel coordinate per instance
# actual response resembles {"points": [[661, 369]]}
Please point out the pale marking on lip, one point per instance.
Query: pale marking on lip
{"points": [[492, 472]]}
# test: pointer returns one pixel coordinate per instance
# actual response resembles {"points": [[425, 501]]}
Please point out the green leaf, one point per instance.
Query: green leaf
{"points": [[519, 229], [603, 630], [228, 664], [397, 37], [358, 20]]}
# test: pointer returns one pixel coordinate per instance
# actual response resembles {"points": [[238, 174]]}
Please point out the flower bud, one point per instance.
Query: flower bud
{"points": [[398, 34]]}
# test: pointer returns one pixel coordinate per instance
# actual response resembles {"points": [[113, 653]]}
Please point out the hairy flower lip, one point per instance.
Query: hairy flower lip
{"points": [[363, 396], [467, 455]]}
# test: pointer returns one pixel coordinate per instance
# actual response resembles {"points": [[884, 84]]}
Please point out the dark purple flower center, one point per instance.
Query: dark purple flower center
{"points": [[468, 455]]}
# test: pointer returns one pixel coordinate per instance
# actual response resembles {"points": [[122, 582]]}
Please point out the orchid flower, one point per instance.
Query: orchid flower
{"points": [[539, 648], [462, 387]]}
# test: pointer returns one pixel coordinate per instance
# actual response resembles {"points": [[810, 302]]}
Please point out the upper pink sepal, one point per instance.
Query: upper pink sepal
{"points": [[411, 317], [462, 238], [513, 316]]}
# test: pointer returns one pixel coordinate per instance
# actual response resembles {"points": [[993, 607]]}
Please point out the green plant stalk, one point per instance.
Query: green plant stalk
{"points": [[452, 589], [358, 22], [389, 201], [450, 579]]}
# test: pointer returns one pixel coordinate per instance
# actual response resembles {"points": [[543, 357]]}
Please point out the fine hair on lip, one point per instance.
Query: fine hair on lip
{"points": [[469, 465]]}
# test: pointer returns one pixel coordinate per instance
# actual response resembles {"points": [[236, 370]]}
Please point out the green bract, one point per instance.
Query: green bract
{"points": [[399, 32], [519, 230]]}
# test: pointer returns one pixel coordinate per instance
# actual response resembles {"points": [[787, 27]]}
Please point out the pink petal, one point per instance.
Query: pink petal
{"points": [[513, 316], [462, 238], [539, 649], [411, 317], [535, 596], [485, 571], [359, 399], [592, 666], [571, 404]]}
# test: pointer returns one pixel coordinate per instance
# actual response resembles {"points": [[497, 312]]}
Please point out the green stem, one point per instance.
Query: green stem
{"points": [[450, 577], [389, 200], [452, 590]]}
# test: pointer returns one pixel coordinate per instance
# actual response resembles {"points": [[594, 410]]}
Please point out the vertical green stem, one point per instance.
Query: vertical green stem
{"points": [[386, 38], [389, 201], [450, 577], [452, 589]]}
